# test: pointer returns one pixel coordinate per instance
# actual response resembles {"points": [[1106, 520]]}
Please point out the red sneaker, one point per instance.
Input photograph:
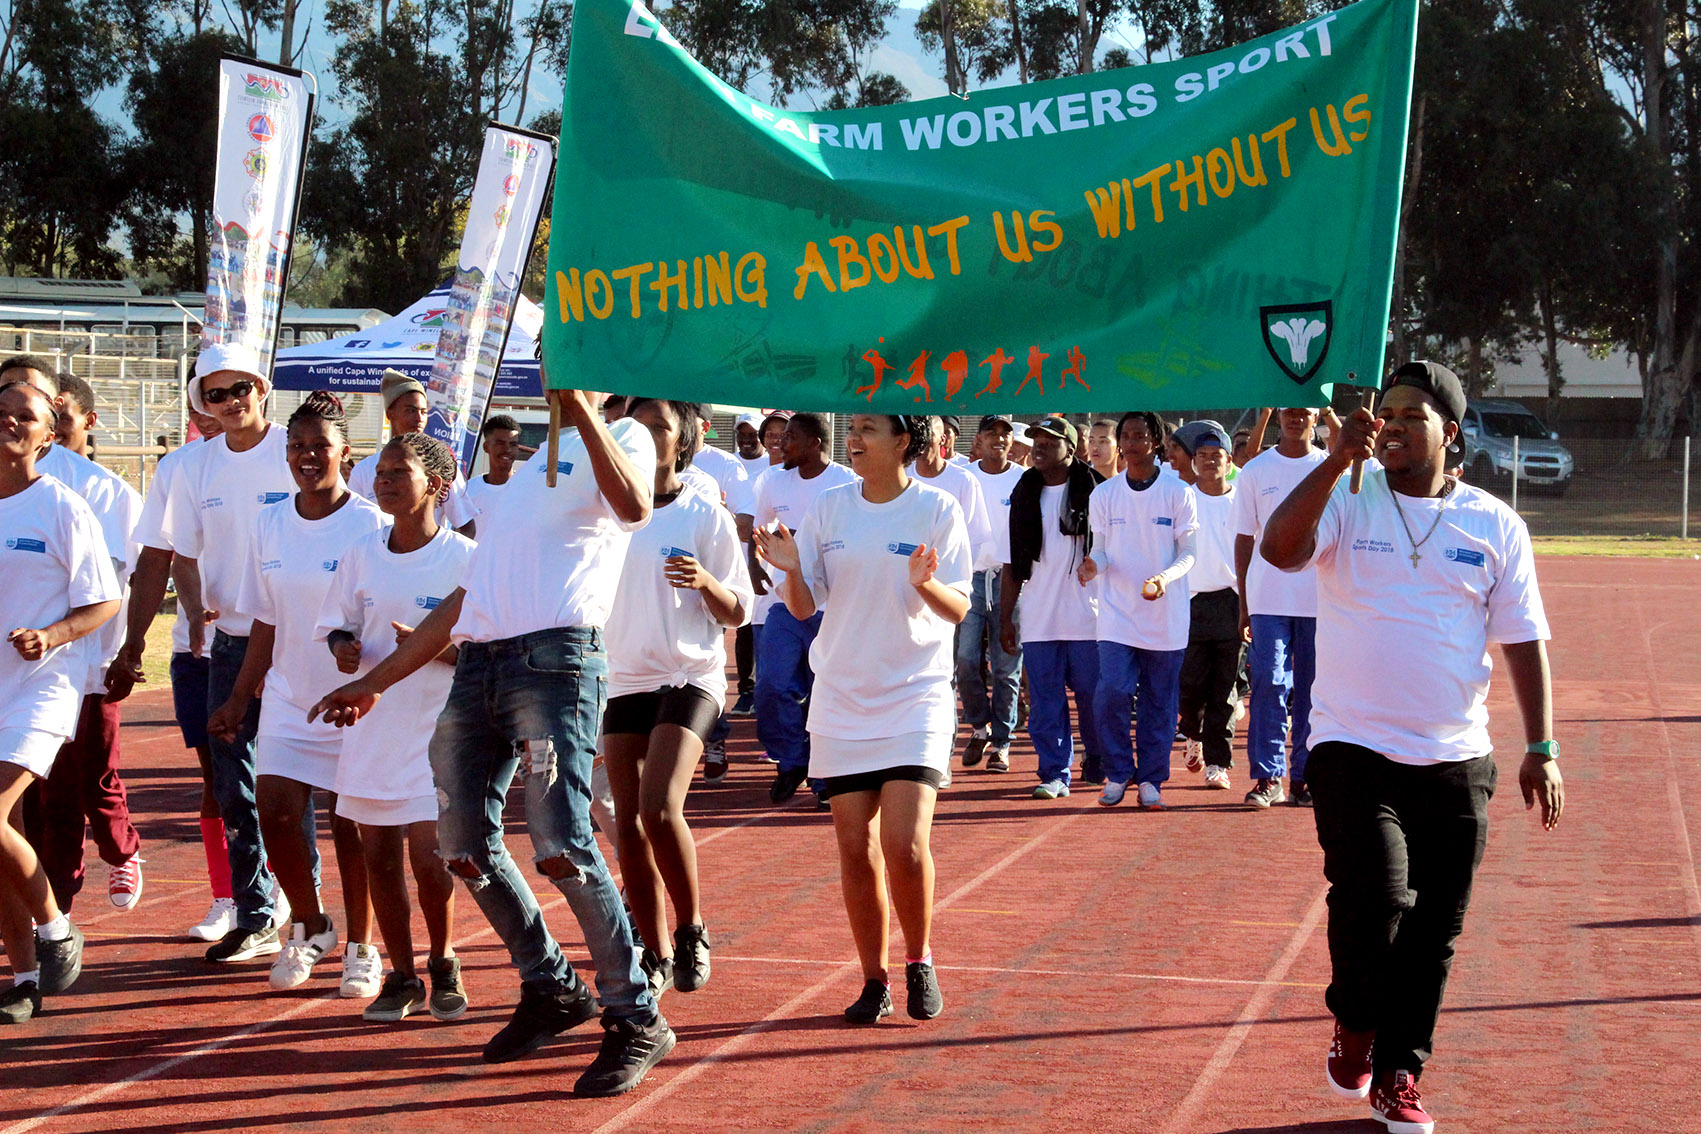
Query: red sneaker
{"points": [[1348, 1065], [1394, 1100]]}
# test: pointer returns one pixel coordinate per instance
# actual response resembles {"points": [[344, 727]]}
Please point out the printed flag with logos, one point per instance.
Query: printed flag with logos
{"points": [[1216, 230], [502, 219], [265, 116]]}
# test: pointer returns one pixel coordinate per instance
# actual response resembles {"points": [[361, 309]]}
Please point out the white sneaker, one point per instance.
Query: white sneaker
{"points": [[220, 920], [363, 971], [1216, 777], [1195, 755], [124, 885], [295, 964], [280, 908], [1151, 799], [945, 782]]}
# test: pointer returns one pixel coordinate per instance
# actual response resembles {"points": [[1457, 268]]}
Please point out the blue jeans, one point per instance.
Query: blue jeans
{"points": [[1054, 669], [533, 705], [783, 682], [1281, 664], [233, 787], [1153, 679], [977, 637]]}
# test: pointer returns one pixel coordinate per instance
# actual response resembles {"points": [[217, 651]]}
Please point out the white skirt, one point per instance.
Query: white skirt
{"points": [[31, 749], [388, 812], [836, 756], [310, 762]]}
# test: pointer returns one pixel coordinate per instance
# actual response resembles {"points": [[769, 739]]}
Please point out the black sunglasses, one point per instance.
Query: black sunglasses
{"points": [[235, 390]]}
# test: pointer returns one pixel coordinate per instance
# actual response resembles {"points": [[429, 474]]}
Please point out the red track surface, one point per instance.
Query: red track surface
{"points": [[1104, 970]]}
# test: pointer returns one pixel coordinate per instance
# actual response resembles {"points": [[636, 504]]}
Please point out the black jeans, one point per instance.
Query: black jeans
{"points": [[1208, 673], [744, 655], [1401, 844]]}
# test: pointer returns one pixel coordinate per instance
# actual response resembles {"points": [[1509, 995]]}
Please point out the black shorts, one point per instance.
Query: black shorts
{"points": [[636, 714], [873, 781]]}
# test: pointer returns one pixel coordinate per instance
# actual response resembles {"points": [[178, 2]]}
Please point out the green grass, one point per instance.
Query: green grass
{"points": [[1625, 546]]}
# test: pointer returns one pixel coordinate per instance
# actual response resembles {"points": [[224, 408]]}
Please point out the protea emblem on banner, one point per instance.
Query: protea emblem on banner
{"points": [[502, 217], [1297, 336], [265, 115]]}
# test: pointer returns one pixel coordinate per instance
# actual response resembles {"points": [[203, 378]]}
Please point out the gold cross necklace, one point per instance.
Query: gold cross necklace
{"points": [[1446, 491]]}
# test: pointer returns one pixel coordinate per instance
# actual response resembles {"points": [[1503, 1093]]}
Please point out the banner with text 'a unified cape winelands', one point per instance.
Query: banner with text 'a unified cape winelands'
{"points": [[1213, 231]]}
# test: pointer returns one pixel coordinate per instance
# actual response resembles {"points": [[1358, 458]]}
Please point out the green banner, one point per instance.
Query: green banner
{"points": [[1214, 231]]}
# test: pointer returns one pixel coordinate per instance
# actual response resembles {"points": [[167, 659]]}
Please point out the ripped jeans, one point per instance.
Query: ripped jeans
{"points": [[533, 705]]}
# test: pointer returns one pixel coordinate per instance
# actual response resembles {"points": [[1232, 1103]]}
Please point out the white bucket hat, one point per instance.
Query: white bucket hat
{"points": [[227, 356]]}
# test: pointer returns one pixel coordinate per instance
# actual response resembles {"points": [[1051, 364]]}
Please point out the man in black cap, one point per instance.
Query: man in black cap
{"points": [[952, 425], [1416, 575]]}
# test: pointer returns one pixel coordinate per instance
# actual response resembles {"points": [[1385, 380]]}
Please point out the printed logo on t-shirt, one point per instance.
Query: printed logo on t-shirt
{"points": [[212, 502], [329, 564], [1374, 545], [271, 497], [18, 543], [670, 552], [270, 564], [1118, 521], [901, 548], [1269, 490], [1163, 521], [565, 467], [1005, 502], [427, 602], [833, 545], [1466, 555]]}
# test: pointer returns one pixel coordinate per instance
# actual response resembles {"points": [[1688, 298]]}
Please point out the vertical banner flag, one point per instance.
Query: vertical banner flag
{"points": [[1209, 231], [502, 218], [265, 114]]}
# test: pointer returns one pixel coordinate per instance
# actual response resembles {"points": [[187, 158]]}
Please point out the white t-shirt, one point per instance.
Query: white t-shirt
{"points": [[456, 510], [883, 659], [210, 515], [728, 472], [548, 558], [384, 756], [783, 496], [53, 558], [1213, 547], [149, 523], [753, 468], [1264, 482], [1138, 534], [292, 563], [964, 487], [658, 634], [704, 484], [1402, 652], [116, 507], [1055, 607], [995, 489], [480, 492]]}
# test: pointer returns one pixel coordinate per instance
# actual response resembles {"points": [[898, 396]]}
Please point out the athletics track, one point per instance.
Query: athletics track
{"points": [[1104, 970]]}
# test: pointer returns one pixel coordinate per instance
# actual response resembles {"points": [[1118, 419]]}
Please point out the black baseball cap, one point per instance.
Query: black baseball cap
{"points": [[1057, 427], [1438, 382], [993, 421], [952, 422]]}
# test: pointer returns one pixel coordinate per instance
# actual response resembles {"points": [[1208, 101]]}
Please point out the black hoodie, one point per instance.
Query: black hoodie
{"points": [[1026, 538]]}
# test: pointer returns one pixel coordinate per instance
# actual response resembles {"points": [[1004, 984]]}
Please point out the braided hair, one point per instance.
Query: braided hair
{"points": [[1154, 424], [324, 406], [433, 457]]}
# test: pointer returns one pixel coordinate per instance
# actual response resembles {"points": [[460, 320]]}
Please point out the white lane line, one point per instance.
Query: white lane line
{"points": [[1096, 974], [744, 1038], [1255, 1008]]}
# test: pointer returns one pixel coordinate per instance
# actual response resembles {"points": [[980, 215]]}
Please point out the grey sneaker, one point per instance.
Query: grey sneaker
{"points": [[448, 995], [20, 1003], [925, 1002], [629, 1050], [1051, 789], [60, 962], [1112, 793], [658, 970], [400, 998], [1265, 794]]}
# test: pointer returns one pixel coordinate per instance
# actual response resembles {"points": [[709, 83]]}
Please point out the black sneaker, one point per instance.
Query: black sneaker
{"points": [[690, 957], [1299, 794], [19, 1003], [874, 1004], [60, 962], [629, 1050], [244, 945], [974, 750], [658, 970], [448, 995], [1092, 771], [786, 784], [400, 998], [925, 1001], [745, 706], [540, 1015], [714, 762]]}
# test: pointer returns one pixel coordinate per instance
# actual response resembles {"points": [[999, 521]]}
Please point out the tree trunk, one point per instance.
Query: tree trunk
{"points": [[948, 35], [1550, 355], [1414, 171], [1016, 46], [1084, 27], [1662, 394], [286, 47], [1473, 367]]}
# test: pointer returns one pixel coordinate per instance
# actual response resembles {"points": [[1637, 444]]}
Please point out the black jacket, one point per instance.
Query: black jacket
{"points": [[1026, 538]]}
